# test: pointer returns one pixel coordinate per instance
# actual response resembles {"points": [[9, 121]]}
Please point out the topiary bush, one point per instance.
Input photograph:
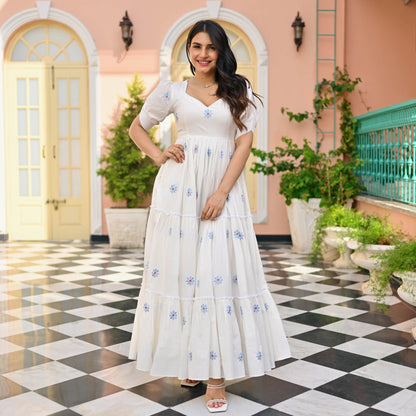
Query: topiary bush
{"points": [[129, 174]]}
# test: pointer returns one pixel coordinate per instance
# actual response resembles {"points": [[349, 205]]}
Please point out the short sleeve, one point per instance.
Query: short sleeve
{"points": [[157, 105], [251, 115]]}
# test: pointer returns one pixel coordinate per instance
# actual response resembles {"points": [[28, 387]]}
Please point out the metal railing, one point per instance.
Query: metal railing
{"points": [[386, 143]]}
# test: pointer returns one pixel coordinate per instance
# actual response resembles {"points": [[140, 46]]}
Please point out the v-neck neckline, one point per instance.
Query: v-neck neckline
{"points": [[197, 99]]}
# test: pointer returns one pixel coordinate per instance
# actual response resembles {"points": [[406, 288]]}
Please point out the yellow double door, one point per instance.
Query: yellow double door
{"points": [[47, 133]]}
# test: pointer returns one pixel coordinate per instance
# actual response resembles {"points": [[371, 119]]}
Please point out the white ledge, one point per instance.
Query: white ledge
{"points": [[388, 204]]}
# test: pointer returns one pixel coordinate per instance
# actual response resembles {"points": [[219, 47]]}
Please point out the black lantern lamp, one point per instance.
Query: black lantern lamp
{"points": [[126, 30], [298, 26]]}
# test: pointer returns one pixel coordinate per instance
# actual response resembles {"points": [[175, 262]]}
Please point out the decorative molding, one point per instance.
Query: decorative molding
{"points": [[6, 31], [213, 7], [256, 38], [43, 9]]}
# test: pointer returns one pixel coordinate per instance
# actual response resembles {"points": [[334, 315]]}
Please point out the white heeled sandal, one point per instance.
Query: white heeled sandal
{"points": [[224, 402], [185, 383]]}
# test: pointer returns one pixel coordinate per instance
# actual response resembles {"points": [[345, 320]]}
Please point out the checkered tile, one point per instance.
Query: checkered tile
{"points": [[66, 315]]}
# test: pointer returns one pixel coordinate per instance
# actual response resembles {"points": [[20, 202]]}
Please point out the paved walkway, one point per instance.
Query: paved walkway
{"points": [[66, 316]]}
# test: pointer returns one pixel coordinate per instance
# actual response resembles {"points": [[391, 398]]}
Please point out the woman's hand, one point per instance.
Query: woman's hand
{"points": [[214, 206], [175, 152]]}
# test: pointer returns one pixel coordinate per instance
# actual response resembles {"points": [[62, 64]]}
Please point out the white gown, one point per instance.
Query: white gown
{"points": [[204, 309]]}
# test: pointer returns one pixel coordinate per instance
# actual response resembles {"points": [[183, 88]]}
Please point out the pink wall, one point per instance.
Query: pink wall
{"points": [[380, 47], [406, 223], [376, 39]]}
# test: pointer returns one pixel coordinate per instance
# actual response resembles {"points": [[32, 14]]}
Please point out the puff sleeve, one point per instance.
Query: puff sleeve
{"points": [[250, 116], [158, 105]]}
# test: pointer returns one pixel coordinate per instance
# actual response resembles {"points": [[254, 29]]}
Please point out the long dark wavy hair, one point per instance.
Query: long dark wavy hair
{"points": [[232, 87]]}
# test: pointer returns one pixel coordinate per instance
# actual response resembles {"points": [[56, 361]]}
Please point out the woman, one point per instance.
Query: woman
{"points": [[204, 310]]}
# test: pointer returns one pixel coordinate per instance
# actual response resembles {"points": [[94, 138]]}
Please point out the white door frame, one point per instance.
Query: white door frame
{"points": [[215, 11], [44, 11]]}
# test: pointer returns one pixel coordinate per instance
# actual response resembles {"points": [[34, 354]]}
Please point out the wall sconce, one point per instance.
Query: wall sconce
{"points": [[298, 26], [126, 30]]}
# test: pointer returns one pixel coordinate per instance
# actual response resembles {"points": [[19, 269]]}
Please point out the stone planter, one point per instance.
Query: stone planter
{"points": [[337, 237], [407, 291], [329, 254], [364, 257], [302, 217], [126, 226]]}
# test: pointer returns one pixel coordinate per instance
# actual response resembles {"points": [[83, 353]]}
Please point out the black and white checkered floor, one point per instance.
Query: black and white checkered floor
{"points": [[66, 317]]}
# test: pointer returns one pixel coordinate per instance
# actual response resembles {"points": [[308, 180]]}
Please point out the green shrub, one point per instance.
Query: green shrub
{"points": [[129, 174]]}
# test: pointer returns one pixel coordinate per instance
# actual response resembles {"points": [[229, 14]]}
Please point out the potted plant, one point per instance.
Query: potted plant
{"points": [[374, 236], [332, 229], [312, 180], [400, 264], [129, 175]]}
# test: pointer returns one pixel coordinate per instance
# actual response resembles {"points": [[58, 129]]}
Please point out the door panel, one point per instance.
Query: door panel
{"points": [[26, 148], [70, 154]]}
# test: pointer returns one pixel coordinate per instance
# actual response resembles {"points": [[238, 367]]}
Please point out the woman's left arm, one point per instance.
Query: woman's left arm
{"points": [[216, 202]]}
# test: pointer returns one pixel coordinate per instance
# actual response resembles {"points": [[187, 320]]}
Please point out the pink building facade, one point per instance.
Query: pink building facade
{"points": [[374, 39]]}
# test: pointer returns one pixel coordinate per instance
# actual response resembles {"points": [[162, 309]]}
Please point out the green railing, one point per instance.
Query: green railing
{"points": [[386, 141]]}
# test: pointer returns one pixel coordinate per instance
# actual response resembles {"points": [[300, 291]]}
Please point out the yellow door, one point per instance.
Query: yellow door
{"points": [[46, 113], [246, 65]]}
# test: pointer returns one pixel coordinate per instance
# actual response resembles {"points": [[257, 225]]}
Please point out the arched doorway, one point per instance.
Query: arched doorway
{"points": [[47, 133], [245, 54]]}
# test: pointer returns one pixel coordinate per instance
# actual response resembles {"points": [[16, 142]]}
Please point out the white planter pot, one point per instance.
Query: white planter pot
{"points": [[329, 254], [407, 291], [337, 237], [302, 219], [126, 226], [364, 257]]}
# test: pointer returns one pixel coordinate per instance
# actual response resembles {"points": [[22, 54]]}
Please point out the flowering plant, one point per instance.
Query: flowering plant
{"points": [[309, 174]]}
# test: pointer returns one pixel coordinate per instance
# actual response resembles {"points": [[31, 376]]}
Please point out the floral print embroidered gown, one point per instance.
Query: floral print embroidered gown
{"points": [[204, 309]]}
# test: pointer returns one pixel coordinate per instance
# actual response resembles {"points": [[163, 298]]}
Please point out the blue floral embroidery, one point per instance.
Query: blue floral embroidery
{"points": [[176, 116], [147, 265], [218, 280], [170, 230], [266, 306], [200, 240], [227, 233], [228, 309], [196, 194], [204, 308], [259, 355], [166, 96], [235, 279], [241, 310], [190, 280], [146, 307], [210, 235], [155, 272], [213, 355], [196, 148], [208, 113], [242, 197], [180, 233], [228, 197], [209, 152], [221, 154], [197, 283], [240, 357], [238, 234], [173, 189], [183, 321], [190, 356], [256, 308], [185, 146], [173, 315], [189, 192]]}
